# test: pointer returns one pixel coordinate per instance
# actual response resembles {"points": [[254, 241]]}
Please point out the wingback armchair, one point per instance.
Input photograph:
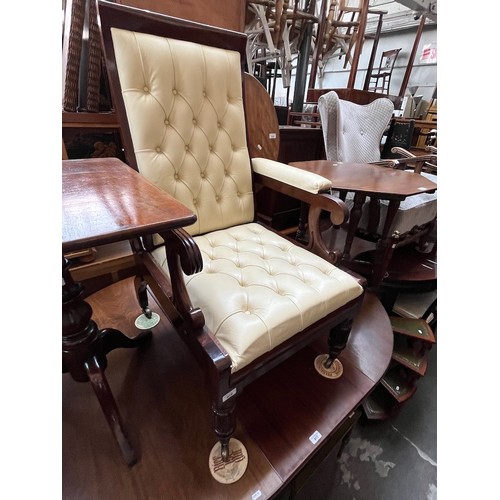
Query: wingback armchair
{"points": [[242, 297]]}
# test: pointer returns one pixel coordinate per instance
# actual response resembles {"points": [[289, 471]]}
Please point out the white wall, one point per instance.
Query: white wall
{"points": [[423, 75]]}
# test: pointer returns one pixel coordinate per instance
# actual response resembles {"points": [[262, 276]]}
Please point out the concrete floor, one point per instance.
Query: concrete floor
{"points": [[391, 459]]}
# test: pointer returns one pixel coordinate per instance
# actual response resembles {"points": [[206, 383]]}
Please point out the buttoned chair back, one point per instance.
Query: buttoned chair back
{"points": [[185, 112], [353, 132], [243, 297]]}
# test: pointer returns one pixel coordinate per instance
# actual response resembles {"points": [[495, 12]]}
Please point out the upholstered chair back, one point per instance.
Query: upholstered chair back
{"points": [[353, 132], [186, 116]]}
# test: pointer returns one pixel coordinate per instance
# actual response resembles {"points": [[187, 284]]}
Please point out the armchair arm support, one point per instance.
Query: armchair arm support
{"points": [[386, 163], [417, 162], [287, 180], [182, 255], [292, 176]]}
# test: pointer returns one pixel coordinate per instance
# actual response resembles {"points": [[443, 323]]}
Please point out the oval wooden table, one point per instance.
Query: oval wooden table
{"points": [[289, 419]]}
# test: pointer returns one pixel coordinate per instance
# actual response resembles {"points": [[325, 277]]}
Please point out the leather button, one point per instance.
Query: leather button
{"points": [[146, 89], [202, 175], [174, 92], [194, 121], [167, 122], [176, 176], [218, 124], [186, 147], [158, 150], [194, 201]]}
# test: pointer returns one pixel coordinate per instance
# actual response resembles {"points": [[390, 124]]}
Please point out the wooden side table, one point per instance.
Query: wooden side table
{"points": [[103, 202], [366, 179]]}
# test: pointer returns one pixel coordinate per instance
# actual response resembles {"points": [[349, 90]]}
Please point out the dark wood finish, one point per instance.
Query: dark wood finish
{"points": [[384, 72], [105, 201], [411, 59], [369, 179], [377, 182], [263, 130], [89, 120], [229, 14], [360, 37], [301, 144], [357, 96], [163, 400]]}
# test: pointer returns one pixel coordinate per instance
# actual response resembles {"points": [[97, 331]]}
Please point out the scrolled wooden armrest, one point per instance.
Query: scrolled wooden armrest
{"points": [[183, 254], [323, 200], [309, 188], [417, 162], [171, 294], [402, 151], [385, 163], [331, 204]]}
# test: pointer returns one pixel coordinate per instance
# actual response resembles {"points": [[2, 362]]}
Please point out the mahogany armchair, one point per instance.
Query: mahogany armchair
{"points": [[243, 297]]}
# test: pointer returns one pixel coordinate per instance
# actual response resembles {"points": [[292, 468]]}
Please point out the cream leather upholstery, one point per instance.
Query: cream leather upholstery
{"points": [[308, 181], [352, 133], [188, 132], [256, 289]]}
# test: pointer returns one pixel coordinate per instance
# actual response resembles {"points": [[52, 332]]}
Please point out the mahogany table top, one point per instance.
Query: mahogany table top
{"points": [[384, 182], [104, 200]]}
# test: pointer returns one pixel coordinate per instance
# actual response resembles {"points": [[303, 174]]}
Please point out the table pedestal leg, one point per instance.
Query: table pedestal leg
{"points": [[104, 395], [84, 349], [385, 246], [354, 217]]}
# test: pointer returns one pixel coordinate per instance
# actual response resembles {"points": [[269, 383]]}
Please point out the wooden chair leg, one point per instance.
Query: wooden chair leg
{"points": [[224, 424], [337, 340]]}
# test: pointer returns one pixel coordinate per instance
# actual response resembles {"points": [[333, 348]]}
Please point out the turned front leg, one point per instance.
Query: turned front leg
{"points": [[337, 340]]}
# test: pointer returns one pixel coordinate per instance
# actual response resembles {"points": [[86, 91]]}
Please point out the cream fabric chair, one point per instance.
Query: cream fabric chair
{"points": [[242, 297], [353, 133]]}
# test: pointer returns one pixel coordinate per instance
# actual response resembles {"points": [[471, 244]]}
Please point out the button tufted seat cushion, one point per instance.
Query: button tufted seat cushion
{"points": [[257, 289]]}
